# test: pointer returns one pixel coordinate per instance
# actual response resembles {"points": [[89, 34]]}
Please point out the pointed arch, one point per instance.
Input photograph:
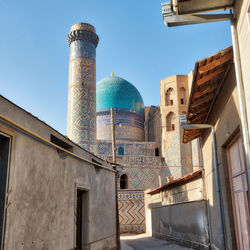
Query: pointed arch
{"points": [[169, 97], [170, 121], [183, 95]]}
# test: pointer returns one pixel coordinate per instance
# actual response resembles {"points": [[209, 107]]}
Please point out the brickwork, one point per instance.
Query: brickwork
{"points": [[131, 211], [81, 124], [174, 100]]}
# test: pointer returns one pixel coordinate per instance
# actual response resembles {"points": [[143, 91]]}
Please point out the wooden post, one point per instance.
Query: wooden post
{"points": [[113, 134]]}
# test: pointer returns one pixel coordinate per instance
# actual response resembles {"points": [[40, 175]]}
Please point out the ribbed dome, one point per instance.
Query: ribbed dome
{"points": [[116, 92]]}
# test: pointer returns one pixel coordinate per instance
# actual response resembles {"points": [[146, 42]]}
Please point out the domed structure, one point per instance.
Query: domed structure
{"points": [[128, 107]]}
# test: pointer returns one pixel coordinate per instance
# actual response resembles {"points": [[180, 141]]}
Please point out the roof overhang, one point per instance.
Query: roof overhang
{"points": [[209, 75], [185, 12], [197, 6]]}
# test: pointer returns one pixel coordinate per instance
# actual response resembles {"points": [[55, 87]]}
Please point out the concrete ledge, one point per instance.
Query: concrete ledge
{"points": [[104, 244], [182, 242]]}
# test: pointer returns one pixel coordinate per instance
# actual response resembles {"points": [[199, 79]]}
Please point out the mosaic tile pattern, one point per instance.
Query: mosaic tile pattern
{"points": [[138, 149], [82, 86], [131, 211]]}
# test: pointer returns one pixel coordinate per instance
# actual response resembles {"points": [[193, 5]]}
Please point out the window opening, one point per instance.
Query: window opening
{"points": [[120, 151], [61, 143], [168, 97], [124, 182], [157, 152], [170, 121]]}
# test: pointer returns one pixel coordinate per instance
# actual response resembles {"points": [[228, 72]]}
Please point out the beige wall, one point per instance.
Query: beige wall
{"points": [[179, 213], [243, 28], [225, 117], [42, 190]]}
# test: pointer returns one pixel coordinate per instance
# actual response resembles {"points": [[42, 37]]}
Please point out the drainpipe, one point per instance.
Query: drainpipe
{"points": [[242, 100], [223, 242], [218, 191]]}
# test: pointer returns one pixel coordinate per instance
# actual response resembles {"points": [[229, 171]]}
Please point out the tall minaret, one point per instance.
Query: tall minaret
{"points": [[81, 123]]}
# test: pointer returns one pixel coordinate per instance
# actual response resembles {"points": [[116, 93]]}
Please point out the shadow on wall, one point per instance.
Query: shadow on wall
{"points": [[225, 130]]}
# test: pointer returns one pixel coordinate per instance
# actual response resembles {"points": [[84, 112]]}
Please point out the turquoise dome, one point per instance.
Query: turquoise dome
{"points": [[118, 93]]}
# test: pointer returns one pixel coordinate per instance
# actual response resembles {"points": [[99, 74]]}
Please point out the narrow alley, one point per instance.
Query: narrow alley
{"points": [[145, 242]]}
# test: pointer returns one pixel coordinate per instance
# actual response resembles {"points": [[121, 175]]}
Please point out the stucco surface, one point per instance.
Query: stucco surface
{"points": [[42, 190]]}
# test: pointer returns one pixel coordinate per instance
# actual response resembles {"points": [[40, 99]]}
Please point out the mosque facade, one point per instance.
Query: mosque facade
{"points": [[145, 136]]}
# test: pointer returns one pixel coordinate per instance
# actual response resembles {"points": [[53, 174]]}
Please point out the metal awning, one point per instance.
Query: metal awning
{"points": [[197, 6], [209, 75]]}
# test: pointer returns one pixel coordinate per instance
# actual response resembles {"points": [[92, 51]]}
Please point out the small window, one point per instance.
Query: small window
{"points": [[120, 151], [157, 152], [124, 182], [61, 143], [173, 127], [182, 101], [171, 102]]}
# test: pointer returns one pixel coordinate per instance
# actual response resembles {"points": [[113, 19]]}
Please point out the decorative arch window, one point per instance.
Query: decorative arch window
{"points": [[183, 98], [124, 182], [170, 121], [120, 151], [169, 97], [157, 152]]}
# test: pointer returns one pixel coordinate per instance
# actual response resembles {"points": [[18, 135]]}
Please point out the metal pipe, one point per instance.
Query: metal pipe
{"points": [[113, 134], [217, 183], [223, 247], [242, 101], [41, 139]]}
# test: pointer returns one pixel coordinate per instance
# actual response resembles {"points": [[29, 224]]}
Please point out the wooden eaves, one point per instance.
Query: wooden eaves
{"points": [[209, 75]]}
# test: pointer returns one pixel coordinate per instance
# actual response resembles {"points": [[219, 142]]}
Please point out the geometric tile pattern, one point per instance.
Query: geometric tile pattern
{"points": [[131, 211], [82, 88], [83, 117]]}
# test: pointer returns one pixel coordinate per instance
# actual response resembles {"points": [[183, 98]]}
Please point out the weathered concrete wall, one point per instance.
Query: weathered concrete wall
{"points": [[225, 118], [131, 211], [179, 213], [41, 211]]}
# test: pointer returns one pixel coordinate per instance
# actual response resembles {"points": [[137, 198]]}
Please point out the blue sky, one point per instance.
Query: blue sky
{"points": [[134, 44]]}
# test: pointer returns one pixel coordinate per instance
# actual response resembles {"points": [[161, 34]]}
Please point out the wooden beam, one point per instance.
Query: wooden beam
{"points": [[198, 117], [215, 63], [198, 109], [210, 76], [205, 91], [202, 100], [190, 132]]}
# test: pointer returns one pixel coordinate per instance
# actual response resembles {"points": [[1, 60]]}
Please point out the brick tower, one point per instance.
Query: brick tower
{"points": [[81, 121]]}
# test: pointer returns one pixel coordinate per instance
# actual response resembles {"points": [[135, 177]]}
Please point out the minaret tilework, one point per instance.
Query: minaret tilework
{"points": [[81, 123]]}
